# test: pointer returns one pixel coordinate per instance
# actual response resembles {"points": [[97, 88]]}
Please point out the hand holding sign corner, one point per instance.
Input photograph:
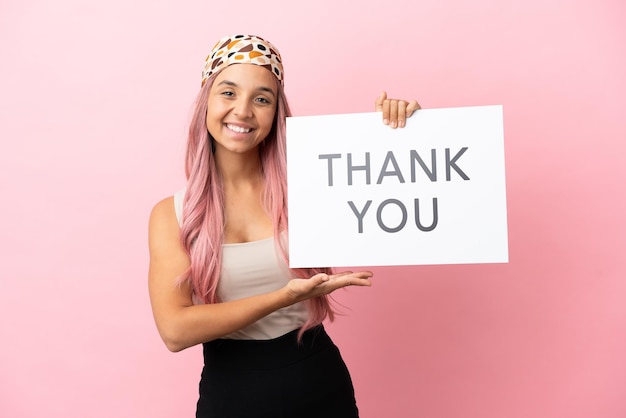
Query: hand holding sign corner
{"points": [[395, 111]]}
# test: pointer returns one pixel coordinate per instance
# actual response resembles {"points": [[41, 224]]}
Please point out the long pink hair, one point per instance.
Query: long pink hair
{"points": [[202, 229]]}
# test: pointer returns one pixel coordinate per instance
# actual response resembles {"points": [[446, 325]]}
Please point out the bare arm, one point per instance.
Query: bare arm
{"points": [[182, 324]]}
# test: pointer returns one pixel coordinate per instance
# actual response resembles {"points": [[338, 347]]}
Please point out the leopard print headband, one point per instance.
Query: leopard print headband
{"points": [[243, 49]]}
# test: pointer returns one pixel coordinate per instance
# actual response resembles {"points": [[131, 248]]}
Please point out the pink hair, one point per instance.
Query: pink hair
{"points": [[202, 227]]}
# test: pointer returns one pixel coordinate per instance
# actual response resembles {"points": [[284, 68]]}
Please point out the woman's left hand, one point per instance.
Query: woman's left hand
{"points": [[395, 111]]}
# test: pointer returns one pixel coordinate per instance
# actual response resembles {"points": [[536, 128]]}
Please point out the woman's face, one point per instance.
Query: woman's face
{"points": [[241, 108]]}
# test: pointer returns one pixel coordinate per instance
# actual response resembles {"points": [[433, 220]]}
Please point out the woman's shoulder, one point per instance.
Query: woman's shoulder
{"points": [[163, 228], [169, 208], [164, 205], [163, 211]]}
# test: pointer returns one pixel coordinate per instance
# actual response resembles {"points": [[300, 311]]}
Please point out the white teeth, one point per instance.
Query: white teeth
{"points": [[238, 128]]}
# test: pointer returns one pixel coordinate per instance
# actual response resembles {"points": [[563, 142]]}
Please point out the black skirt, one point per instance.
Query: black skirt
{"points": [[278, 378]]}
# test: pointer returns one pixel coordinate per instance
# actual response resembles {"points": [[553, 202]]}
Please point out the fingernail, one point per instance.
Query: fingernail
{"points": [[401, 124], [393, 124], [386, 121]]}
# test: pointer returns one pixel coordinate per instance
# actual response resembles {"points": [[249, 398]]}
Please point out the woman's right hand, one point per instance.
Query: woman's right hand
{"points": [[323, 284]]}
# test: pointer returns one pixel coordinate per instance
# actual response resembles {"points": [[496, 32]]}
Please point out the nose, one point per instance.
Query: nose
{"points": [[243, 108]]}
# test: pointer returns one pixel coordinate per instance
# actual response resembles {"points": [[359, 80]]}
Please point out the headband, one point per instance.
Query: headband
{"points": [[243, 49]]}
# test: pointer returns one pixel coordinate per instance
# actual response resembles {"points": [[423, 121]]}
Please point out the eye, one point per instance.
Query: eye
{"points": [[227, 93], [263, 100]]}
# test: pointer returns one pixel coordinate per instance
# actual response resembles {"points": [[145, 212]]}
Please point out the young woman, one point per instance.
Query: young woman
{"points": [[218, 263]]}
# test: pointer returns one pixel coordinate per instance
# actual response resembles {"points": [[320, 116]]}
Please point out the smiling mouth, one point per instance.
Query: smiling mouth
{"points": [[238, 129]]}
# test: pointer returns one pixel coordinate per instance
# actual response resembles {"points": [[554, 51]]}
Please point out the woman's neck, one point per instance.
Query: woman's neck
{"points": [[239, 168]]}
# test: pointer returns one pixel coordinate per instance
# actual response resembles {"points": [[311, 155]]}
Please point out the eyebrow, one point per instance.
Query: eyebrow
{"points": [[233, 84]]}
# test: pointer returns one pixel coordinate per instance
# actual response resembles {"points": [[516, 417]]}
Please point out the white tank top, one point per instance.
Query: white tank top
{"points": [[250, 269]]}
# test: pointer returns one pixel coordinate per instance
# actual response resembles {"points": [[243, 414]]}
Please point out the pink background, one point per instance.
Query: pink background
{"points": [[94, 101]]}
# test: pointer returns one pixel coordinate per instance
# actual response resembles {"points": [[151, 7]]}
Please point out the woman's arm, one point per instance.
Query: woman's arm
{"points": [[182, 324], [395, 111]]}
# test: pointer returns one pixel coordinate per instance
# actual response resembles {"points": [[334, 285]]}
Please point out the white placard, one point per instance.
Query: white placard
{"points": [[363, 194]]}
